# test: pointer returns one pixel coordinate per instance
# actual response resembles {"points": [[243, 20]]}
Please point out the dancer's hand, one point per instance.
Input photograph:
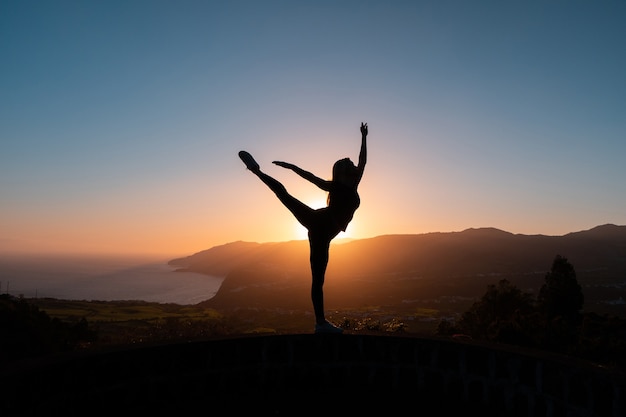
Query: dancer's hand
{"points": [[284, 164], [363, 129]]}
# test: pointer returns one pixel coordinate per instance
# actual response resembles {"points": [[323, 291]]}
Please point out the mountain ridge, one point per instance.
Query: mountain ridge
{"points": [[391, 269]]}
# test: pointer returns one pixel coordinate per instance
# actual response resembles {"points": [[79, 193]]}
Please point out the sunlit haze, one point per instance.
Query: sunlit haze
{"points": [[120, 121]]}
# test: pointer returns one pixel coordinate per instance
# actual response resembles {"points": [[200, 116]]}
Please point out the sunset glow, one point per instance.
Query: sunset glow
{"points": [[121, 137]]}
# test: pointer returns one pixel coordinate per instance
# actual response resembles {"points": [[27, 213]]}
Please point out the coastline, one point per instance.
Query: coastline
{"points": [[104, 278]]}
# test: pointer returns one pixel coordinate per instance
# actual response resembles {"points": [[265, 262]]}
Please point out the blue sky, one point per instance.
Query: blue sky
{"points": [[120, 121]]}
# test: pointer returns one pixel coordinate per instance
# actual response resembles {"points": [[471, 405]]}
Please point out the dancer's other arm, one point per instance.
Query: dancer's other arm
{"points": [[321, 183]]}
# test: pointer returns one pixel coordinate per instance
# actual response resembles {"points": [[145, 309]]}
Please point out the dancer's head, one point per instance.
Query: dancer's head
{"points": [[345, 171]]}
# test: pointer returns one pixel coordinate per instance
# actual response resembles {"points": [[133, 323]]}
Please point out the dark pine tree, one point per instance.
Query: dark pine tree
{"points": [[560, 302], [561, 296]]}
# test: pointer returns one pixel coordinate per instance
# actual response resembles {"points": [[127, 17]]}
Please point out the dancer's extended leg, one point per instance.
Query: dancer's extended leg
{"points": [[302, 212]]}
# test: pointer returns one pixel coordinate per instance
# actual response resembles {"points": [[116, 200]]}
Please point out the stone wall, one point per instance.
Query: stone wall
{"points": [[308, 374]]}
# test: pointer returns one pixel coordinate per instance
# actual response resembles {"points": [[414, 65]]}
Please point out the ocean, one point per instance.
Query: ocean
{"points": [[105, 278]]}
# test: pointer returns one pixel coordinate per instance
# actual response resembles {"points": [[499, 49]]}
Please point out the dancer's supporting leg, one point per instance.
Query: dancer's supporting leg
{"points": [[319, 248]]}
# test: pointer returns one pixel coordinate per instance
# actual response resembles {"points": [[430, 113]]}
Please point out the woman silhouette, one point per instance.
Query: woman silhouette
{"points": [[322, 224]]}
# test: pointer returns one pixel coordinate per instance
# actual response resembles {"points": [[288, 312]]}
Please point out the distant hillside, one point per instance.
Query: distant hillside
{"points": [[398, 270]]}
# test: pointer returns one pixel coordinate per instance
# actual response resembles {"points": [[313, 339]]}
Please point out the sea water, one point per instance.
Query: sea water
{"points": [[106, 278]]}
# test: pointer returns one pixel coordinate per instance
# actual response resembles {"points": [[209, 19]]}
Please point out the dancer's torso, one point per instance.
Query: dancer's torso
{"points": [[342, 203]]}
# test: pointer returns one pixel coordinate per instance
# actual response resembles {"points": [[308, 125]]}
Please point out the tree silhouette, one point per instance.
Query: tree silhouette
{"points": [[561, 295], [25, 331], [499, 314], [506, 314], [560, 302]]}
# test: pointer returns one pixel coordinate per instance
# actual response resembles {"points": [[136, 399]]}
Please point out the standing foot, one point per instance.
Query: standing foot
{"points": [[327, 328]]}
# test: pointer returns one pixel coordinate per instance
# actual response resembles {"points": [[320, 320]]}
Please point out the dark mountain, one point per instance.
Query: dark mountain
{"points": [[401, 270]]}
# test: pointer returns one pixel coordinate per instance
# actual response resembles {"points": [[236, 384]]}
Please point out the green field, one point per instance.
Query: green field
{"points": [[130, 322], [120, 311]]}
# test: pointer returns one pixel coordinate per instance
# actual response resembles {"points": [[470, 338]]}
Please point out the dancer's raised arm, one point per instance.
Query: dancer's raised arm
{"points": [[363, 152], [321, 183]]}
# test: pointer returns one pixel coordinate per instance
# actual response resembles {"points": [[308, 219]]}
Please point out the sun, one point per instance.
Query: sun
{"points": [[316, 203], [302, 234], [300, 231]]}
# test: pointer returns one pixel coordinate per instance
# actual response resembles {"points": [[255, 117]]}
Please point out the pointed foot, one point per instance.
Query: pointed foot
{"points": [[247, 159]]}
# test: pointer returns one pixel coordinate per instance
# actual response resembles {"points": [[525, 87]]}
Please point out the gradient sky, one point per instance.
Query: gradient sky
{"points": [[120, 121]]}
